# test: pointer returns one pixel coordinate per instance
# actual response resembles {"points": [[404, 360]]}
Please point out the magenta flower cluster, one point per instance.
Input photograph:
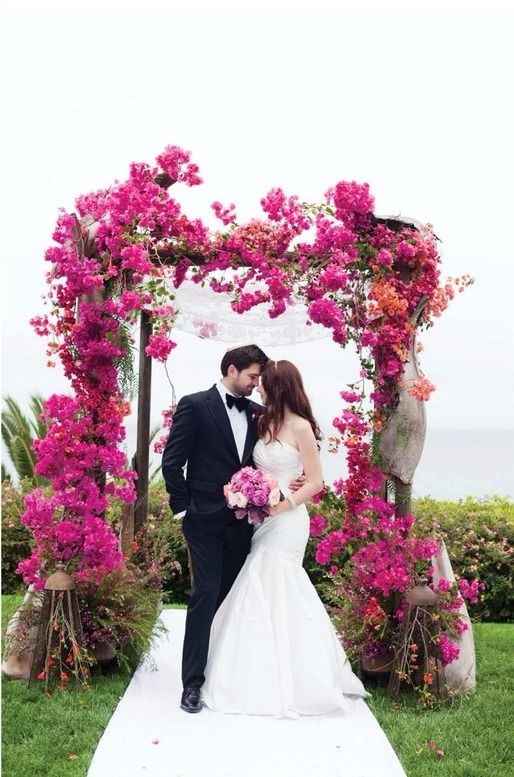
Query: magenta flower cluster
{"points": [[167, 416], [448, 649], [318, 524], [470, 590]]}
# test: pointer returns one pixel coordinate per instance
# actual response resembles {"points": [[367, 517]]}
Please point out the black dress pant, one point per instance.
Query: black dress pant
{"points": [[219, 545]]}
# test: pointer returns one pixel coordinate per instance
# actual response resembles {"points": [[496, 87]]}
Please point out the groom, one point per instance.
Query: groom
{"points": [[214, 432]]}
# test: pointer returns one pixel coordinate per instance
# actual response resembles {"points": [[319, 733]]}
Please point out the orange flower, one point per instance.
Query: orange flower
{"points": [[428, 678], [373, 613], [401, 351], [387, 300], [421, 388]]}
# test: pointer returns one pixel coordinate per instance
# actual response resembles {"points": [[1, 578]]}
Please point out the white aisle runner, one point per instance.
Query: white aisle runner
{"points": [[150, 735]]}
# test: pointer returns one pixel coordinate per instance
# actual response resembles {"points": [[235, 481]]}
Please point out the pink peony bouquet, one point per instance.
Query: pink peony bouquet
{"points": [[251, 493]]}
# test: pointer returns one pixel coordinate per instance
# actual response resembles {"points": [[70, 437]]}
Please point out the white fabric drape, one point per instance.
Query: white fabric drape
{"points": [[208, 314], [459, 675]]}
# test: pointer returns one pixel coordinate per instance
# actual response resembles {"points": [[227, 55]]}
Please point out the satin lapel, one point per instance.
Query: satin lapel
{"points": [[251, 433], [219, 413]]}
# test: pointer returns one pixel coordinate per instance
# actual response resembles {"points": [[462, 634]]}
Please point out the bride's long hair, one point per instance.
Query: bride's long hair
{"points": [[283, 386]]}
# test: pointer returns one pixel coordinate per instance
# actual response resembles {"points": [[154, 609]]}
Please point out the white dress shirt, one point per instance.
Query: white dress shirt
{"points": [[238, 421]]}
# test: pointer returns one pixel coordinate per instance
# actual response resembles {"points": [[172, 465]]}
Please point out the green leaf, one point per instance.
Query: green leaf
{"points": [[37, 424], [22, 457], [17, 434], [15, 413]]}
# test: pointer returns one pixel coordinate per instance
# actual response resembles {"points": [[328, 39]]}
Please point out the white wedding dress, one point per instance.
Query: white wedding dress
{"points": [[273, 649]]}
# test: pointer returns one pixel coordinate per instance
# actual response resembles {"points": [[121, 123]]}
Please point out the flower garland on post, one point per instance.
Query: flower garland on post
{"points": [[127, 248]]}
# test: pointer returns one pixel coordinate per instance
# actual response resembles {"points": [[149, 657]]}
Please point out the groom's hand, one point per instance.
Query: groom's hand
{"points": [[294, 485]]}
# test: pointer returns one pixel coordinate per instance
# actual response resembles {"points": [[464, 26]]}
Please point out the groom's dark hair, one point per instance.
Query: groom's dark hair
{"points": [[242, 357]]}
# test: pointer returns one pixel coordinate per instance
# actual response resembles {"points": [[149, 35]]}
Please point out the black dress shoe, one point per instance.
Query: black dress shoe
{"points": [[191, 701]]}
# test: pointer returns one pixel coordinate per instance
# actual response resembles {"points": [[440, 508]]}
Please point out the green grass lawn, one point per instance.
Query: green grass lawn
{"points": [[476, 733], [57, 737]]}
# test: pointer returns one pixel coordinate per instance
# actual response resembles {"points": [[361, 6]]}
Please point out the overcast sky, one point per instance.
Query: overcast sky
{"points": [[418, 104]]}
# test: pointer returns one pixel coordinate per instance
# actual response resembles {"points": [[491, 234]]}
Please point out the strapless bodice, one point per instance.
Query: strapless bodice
{"points": [[280, 459]]}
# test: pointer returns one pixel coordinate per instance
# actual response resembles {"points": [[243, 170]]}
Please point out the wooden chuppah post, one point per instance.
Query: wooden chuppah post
{"points": [[134, 515], [143, 423]]}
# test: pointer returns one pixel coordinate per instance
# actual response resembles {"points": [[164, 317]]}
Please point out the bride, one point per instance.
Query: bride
{"points": [[273, 649]]}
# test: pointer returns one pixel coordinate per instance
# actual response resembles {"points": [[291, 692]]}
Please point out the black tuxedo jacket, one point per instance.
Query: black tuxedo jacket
{"points": [[202, 437]]}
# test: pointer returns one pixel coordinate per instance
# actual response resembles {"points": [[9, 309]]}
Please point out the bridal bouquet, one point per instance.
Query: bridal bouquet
{"points": [[251, 493]]}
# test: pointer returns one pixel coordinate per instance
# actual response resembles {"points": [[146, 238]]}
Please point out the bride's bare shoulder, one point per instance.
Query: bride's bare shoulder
{"points": [[300, 425]]}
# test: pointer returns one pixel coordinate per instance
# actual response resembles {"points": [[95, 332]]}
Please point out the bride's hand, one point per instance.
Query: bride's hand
{"points": [[280, 508], [294, 485]]}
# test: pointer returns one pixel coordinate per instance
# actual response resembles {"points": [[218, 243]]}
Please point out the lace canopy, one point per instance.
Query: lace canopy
{"points": [[208, 314]]}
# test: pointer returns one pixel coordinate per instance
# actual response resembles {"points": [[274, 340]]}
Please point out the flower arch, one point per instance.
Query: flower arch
{"points": [[123, 253]]}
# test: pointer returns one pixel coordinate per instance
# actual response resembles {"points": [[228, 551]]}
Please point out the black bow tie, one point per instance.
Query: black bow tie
{"points": [[240, 402]]}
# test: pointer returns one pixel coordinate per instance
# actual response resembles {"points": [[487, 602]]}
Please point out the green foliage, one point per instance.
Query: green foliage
{"points": [[161, 543], [376, 456], [125, 363], [18, 433], [122, 610], [479, 536], [16, 538], [37, 422]]}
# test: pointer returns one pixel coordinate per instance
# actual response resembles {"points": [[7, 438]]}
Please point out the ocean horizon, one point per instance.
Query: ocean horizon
{"points": [[455, 463]]}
